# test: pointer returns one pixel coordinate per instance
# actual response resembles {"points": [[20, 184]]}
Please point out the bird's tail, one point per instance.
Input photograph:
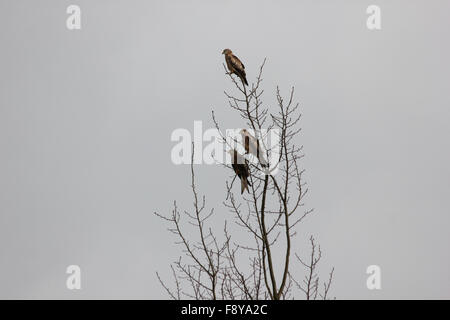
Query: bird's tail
{"points": [[241, 74], [244, 185]]}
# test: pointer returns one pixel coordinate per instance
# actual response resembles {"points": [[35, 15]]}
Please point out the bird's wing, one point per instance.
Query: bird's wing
{"points": [[229, 63], [237, 64], [254, 145], [237, 159], [254, 148], [250, 142]]}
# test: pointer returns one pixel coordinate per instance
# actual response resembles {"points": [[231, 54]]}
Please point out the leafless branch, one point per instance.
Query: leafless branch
{"points": [[216, 267]]}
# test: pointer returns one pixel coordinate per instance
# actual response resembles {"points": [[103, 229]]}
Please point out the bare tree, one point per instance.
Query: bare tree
{"points": [[214, 267]]}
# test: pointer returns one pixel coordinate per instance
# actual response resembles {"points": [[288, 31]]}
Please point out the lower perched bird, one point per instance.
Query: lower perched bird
{"points": [[252, 146], [240, 167], [235, 65]]}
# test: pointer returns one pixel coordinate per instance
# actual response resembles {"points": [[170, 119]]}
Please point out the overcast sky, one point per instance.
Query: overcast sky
{"points": [[86, 118]]}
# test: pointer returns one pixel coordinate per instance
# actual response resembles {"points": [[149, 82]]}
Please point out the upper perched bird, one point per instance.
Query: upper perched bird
{"points": [[240, 167], [252, 146], [235, 65]]}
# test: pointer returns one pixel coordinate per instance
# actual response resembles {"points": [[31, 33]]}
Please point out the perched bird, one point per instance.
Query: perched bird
{"points": [[235, 65], [252, 146], [240, 167]]}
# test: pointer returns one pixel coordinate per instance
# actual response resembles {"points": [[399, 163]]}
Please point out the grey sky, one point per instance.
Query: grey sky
{"points": [[86, 118]]}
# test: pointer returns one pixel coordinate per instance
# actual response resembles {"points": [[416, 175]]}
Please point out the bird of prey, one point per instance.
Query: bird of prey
{"points": [[252, 146], [235, 65], [240, 167]]}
